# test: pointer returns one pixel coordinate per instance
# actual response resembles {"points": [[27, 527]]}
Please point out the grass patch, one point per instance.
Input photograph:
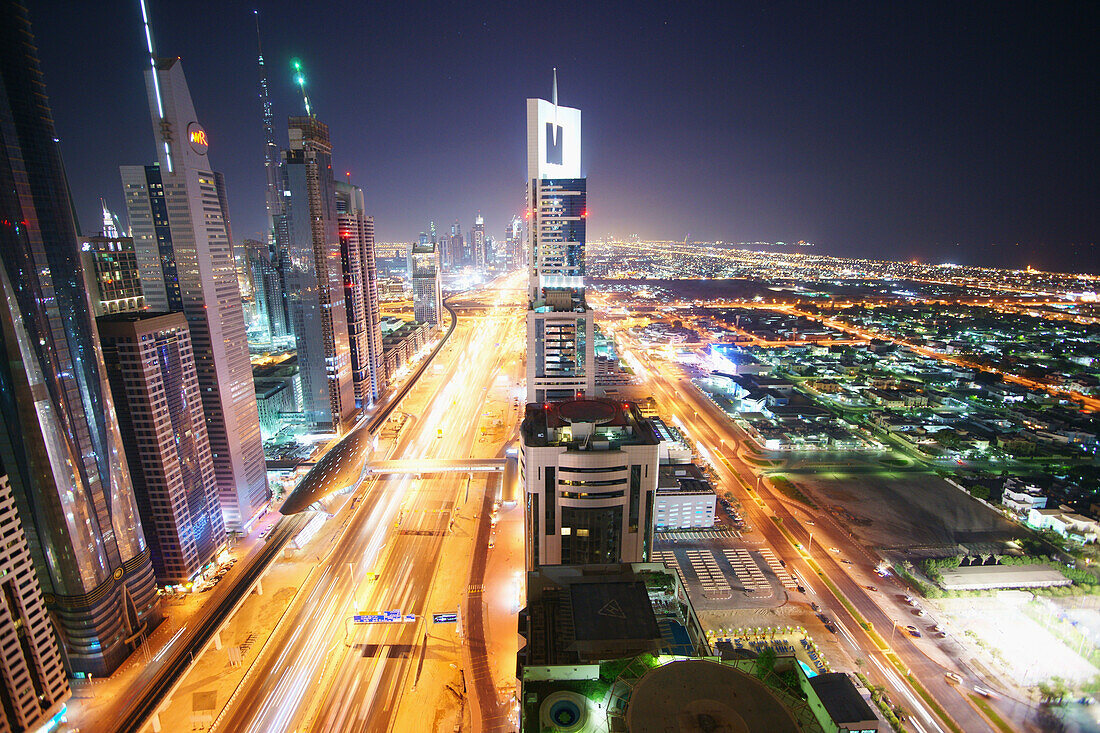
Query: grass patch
{"points": [[990, 713], [791, 491]]}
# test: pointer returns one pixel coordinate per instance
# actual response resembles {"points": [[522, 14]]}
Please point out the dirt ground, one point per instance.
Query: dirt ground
{"points": [[916, 514]]}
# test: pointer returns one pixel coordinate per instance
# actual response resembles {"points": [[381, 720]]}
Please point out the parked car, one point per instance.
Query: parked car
{"points": [[983, 691], [913, 631], [953, 678]]}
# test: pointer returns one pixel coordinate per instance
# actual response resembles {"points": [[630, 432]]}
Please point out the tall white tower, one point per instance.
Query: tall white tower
{"points": [[561, 362], [186, 264]]}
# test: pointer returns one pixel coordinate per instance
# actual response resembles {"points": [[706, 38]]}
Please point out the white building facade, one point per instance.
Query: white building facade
{"points": [[186, 264]]}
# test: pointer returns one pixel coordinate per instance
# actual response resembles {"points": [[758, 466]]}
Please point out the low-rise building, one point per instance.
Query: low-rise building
{"points": [[1021, 498], [1074, 527], [685, 499]]}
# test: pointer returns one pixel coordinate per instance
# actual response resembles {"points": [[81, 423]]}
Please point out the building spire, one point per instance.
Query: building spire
{"points": [[554, 98], [271, 150], [156, 81], [300, 80]]}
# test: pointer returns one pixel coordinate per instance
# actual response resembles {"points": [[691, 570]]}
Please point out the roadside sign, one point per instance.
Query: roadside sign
{"points": [[385, 617], [444, 618]]}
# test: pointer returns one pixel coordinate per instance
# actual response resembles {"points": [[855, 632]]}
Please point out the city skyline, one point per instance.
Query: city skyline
{"points": [[768, 124]]}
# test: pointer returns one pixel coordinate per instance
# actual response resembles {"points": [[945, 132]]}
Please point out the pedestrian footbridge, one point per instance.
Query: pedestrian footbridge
{"points": [[418, 466]]}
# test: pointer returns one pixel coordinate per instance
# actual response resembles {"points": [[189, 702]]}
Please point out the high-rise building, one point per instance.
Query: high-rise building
{"points": [[457, 246], [561, 361], [309, 250], [111, 271], [427, 290], [177, 214], [513, 238], [34, 686], [360, 292], [477, 240], [151, 370], [590, 475], [273, 198], [59, 436], [268, 298]]}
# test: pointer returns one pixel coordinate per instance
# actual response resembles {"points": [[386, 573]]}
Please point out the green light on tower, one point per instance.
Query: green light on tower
{"points": [[300, 80]]}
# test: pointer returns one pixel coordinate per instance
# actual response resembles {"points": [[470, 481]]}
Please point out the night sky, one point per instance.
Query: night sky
{"points": [[962, 131]]}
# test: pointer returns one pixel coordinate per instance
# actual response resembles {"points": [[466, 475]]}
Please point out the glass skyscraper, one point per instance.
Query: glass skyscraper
{"points": [[59, 437]]}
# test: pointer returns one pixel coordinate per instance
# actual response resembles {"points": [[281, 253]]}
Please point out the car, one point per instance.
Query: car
{"points": [[834, 549], [913, 631], [813, 606], [935, 627], [919, 612], [492, 543], [846, 561], [984, 692], [801, 588], [870, 588], [940, 634], [953, 678]]}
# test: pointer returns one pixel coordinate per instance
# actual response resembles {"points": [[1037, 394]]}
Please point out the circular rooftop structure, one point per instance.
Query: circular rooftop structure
{"points": [[593, 411], [697, 695]]}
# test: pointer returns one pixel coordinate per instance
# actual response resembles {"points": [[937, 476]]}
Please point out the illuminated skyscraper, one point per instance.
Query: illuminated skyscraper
{"points": [[477, 240], [360, 292], [34, 682], [186, 261], [309, 250], [561, 360], [427, 289], [59, 437], [151, 370], [268, 299], [111, 273]]}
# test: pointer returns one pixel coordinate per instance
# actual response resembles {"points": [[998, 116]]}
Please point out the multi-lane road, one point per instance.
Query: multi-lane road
{"points": [[720, 439], [319, 670]]}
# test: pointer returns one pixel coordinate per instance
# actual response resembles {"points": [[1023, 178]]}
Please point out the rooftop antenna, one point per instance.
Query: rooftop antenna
{"points": [[156, 82], [300, 80]]}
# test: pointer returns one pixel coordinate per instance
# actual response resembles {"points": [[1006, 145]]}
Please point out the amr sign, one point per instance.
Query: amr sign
{"points": [[196, 136]]}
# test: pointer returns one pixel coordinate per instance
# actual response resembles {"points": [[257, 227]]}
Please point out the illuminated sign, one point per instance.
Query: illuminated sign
{"points": [[196, 135], [385, 617], [444, 618]]}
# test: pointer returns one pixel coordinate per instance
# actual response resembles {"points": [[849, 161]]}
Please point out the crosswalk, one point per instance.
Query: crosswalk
{"points": [[698, 534], [747, 571], [710, 575], [777, 568]]}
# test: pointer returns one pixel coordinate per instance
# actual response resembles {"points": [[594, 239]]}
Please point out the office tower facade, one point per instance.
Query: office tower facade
{"points": [[590, 475], [59, 437], [34, 684], [360, 292], [426, 286], [513, 238], [268, 301], [457, 246], [477, 241], [111, 273], [151, 370], [186, 261], [309, 250], [561, 357]]}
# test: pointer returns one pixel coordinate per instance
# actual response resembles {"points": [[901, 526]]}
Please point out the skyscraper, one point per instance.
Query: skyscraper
{"points": [[111, 272], [477, 239], [59, 437], [309, 250], [34, 684], [458, 257], [561, 360], [513, 238], [267, 294], [590, 475], [273, 198], [360, 292], [151, 370], [186, 261], [427, 289]]}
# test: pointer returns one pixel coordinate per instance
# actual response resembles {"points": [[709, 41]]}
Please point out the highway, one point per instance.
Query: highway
{"points": [[719, 439], [321, 672]]}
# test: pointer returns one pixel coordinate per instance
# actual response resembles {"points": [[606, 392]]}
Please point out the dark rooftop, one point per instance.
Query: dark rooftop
{"points": [[612, 611], [841, 699]]}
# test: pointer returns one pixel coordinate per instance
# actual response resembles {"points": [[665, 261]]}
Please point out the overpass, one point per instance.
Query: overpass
{"points": [[445, 465]]}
